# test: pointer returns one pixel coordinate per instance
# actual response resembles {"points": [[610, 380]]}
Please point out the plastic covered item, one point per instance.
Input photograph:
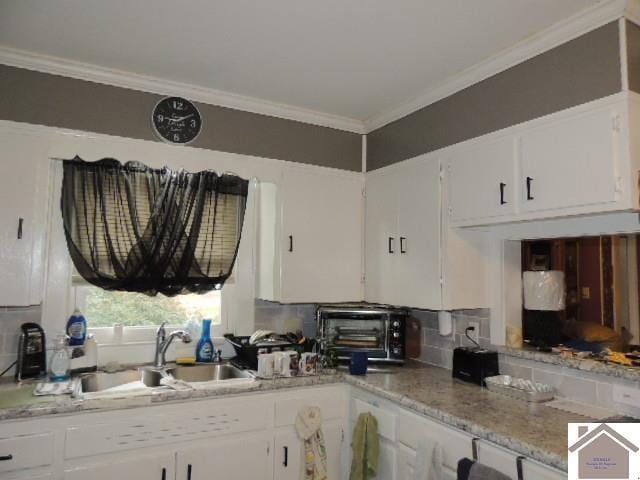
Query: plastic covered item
{"points": [[543, 290]]}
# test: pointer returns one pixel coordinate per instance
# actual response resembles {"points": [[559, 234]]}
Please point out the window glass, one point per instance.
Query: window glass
{"points": [[104, 308]]}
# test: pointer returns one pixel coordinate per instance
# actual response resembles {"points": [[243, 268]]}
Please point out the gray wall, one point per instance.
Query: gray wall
{"points": [[52, 100], [576, 72], [633, 56]]}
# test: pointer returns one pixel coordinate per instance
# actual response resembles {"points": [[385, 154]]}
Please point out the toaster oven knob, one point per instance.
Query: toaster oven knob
{"points": [[395, 324], [396, 351], [396, 334]]}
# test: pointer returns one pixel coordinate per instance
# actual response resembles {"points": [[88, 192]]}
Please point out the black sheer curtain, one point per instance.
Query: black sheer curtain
{"points": [[137, 229]]}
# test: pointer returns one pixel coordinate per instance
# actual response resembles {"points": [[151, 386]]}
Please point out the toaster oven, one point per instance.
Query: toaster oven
{"points": [[379, 330]]}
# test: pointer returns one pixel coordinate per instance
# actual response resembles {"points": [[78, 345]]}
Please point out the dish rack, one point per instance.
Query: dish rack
{"points": [[519, 388]]}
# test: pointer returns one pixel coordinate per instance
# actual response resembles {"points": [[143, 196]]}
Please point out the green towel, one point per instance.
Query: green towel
{"points": [[366, 448]]}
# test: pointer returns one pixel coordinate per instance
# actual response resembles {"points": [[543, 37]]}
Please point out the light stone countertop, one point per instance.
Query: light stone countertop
{"points": [[584, 364], [533, 430]]}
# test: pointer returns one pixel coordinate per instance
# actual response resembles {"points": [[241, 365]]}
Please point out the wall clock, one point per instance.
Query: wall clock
{"points": [[176, 120]]}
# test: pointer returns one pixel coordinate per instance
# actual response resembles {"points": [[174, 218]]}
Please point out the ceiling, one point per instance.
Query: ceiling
{"points": [[350, 58]]}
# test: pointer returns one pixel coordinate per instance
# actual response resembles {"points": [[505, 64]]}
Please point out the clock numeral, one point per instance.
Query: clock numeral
{"points": [[177, 105], [176, 137], [193, 123], [160, 118]]}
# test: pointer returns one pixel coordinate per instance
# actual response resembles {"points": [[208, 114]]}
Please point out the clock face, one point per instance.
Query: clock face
{"points": [[176, 120]]}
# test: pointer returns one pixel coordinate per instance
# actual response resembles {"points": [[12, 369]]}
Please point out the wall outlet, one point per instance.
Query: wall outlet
{"points": [[475, 333], [626, 395]]}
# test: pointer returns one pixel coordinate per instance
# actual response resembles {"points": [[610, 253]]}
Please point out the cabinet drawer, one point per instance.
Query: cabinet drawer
{"points": [[386, 419], [129, 429], [28, 451], [332, 402]]}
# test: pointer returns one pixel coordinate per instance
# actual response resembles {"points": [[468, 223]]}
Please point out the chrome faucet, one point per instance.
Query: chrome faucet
{"points": [[163, 342]]}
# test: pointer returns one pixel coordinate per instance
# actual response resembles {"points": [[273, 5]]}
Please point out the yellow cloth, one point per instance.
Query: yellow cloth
{"points": [[365, 446]]}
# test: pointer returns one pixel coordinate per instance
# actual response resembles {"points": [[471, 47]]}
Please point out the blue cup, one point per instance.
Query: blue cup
{"points": [[358, 364]]}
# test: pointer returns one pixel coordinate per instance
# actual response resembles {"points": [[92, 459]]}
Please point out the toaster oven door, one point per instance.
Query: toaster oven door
{"points": [[349, 333]]}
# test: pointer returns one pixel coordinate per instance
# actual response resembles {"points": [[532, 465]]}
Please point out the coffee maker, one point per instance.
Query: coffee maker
{"points": [[32, 356]]}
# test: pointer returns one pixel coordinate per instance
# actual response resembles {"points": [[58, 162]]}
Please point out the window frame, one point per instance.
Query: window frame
{"points": [[62, 296]]}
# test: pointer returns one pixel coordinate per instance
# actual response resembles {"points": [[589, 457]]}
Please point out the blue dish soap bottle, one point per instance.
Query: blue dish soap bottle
{"points": [[204, 350], [76, 328]]}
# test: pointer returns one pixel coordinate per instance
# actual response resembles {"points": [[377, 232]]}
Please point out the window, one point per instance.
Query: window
{"points": [[104, 308]]}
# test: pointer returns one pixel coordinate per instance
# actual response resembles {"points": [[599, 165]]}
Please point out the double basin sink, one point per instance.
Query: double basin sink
{"points": [[150, 376]]}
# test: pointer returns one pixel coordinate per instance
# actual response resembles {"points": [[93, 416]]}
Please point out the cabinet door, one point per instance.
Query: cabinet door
{"points": [[381, 242], [417, 273], [571, 162], [22, 158], [127, 465], [237, 457], [288, 452], [481, 181], [321, 239]]}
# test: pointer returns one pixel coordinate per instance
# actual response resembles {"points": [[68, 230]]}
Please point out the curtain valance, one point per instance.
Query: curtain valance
{"points": [[138, 229]]}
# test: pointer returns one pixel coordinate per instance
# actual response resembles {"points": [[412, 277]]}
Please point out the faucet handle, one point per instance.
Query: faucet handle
{"points": [[161, 331]]}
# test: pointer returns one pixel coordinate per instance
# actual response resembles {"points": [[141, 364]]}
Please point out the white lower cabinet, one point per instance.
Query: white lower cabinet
{"points": [[160, 466], [237, 458], [289, 455], [233, 438], [403, 433]]}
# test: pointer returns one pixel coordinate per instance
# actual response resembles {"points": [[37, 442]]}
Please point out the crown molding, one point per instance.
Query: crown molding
{"points": [[107, 76], [559, 33]]}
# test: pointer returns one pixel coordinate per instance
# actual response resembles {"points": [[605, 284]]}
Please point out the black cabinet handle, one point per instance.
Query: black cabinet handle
{"points": [[189, 472], [402, 249], [519, 466], [20, 223], [529, 182], [502, 200], [286, 456], [474, 448], [390, 244], [4, 458], [291, 243], [164, 474]]}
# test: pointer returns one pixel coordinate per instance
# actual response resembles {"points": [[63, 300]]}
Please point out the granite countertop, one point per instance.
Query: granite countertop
{"points": [[533, 430], [584, 364]]}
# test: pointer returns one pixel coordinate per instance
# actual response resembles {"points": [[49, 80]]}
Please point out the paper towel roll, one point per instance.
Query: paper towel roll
{"points": [[543, 290], [445, 323]]}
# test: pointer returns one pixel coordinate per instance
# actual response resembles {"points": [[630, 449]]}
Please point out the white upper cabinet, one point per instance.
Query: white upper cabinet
{"points": [[317, 239], [575, 162], [482, 181], [572, 162], [411, 257], [23, 204]]}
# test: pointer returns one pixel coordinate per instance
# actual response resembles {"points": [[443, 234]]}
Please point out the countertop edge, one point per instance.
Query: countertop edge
{"points": [[263, 386]]}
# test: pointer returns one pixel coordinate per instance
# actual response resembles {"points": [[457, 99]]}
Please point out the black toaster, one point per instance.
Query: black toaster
{"points": [[473, 364]]}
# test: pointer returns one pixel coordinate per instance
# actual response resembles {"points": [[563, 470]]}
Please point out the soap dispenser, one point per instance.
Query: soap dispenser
{"points": [[60, 363], [204, 349]]}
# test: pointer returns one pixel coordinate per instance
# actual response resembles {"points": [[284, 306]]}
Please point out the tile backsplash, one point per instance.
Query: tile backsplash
{"points": [[576, 385], [10, 320], [283, 318], [437, 349]]}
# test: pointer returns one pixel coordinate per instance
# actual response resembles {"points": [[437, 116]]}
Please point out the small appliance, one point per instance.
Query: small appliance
{"points": [[32, 356], [377, 330], [473, 364]]}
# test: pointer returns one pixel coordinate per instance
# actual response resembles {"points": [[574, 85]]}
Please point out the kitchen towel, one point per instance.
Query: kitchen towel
{"points": [[309, 427], [429, 459], [470, 470], [365, 447]]}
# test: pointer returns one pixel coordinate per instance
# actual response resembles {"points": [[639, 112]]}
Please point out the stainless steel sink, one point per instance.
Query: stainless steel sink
{"points": [[207, 372], [99, 381], [151, 376]]}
